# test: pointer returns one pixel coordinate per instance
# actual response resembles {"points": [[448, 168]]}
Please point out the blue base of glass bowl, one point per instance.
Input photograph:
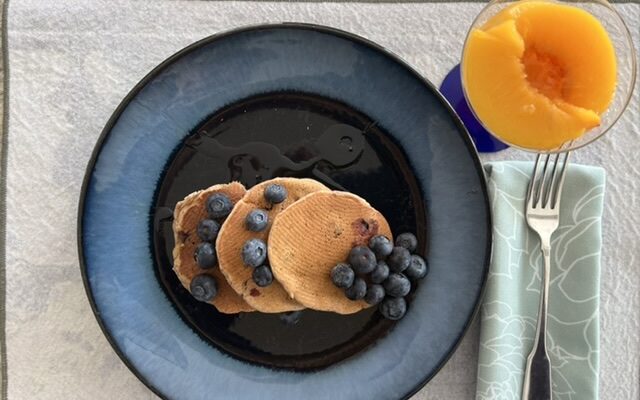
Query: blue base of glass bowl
{"points": [[451, 89]]}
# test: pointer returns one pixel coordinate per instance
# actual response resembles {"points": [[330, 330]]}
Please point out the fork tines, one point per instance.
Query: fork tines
{"points": [[546, 182]]}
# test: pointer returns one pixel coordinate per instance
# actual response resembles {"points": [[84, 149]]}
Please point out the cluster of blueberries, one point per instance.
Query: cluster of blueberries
{"points": [[382, 273], [204, 287], [254, 251]]}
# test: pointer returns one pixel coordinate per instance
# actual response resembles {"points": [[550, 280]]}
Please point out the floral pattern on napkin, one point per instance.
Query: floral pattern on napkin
{"points": [[509, 312]]}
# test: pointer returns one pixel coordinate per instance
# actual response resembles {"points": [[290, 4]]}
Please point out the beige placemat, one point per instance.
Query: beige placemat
{"points": [[3, 197], [72, 61]]}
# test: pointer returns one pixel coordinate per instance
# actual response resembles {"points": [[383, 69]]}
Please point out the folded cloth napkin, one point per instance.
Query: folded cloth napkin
{"points": [[510, 308]]}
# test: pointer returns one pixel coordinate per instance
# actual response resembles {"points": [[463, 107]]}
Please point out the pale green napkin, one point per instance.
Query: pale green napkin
{"points": [[509, 311]]}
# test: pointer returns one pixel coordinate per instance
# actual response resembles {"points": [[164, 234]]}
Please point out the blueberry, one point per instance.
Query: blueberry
{"points": [[375, 294], [218, 205], [380, 273], [342, 275], [256, 220], [418, 268], [206, 255], [393, 308], [203, 287], [357, 291], [254, 252], [290, 318], [399, 259], [397, 285], [381, 246], [408, 241], [208, 230], [275, 193], [262, 276], [362, 259]]}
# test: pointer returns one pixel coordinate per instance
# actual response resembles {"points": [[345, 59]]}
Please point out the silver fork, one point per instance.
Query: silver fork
{"points": [[543, 214]]}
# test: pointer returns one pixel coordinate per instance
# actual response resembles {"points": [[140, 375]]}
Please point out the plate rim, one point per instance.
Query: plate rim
{"points": [[142, 83]]}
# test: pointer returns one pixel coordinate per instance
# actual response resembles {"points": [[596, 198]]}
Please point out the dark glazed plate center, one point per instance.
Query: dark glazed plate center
{"points": [[298, 135]]}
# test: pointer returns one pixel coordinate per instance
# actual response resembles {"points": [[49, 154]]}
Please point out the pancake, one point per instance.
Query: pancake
{"points": [[233, 235], [187, 214], [313, 235]]}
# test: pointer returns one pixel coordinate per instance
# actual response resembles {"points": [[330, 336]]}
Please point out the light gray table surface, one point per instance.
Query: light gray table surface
{"points": [[70, 64]]}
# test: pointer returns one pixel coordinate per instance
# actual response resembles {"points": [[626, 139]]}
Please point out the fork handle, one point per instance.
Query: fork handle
{"points": [[537, 374]]}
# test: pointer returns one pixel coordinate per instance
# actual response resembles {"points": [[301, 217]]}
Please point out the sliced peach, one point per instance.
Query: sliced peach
{"points": [[539, 73], [581, 46]]}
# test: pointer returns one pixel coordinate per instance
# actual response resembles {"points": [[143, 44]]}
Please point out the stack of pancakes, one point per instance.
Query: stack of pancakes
{"points": [[310, 232]]}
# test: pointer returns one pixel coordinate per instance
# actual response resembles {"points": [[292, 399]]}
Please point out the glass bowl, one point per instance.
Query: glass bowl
{"points": [[625, 54]]}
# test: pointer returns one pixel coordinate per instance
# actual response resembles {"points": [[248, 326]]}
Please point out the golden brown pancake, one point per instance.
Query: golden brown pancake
{"points": [[187, 214], [233, 235], [313, 235]]}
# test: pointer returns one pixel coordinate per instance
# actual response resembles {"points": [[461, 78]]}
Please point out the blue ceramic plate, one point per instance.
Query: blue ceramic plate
{"points": [[282, 100]]}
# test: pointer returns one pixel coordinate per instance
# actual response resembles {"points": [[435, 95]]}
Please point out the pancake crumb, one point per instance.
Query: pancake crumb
{"points": [[337, 231]]}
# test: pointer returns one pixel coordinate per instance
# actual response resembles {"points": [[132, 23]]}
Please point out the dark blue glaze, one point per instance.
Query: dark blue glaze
{"points": [[286, 134]]}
